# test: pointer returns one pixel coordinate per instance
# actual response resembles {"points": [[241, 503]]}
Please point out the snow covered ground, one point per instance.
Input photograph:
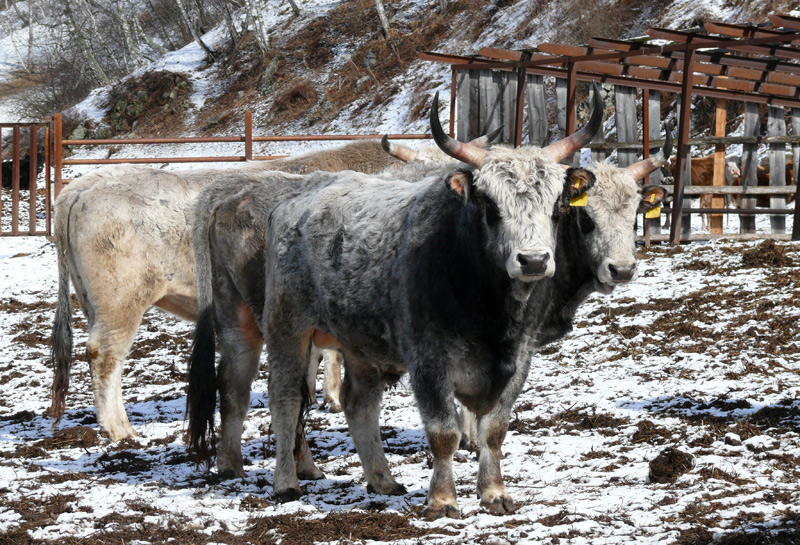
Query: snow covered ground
{"points": [[701, 354]]}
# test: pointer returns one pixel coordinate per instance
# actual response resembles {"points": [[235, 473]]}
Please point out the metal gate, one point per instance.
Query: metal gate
{"points": [[24, 203]]}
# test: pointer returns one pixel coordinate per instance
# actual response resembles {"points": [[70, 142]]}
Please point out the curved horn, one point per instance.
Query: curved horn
{"points": [[397, 151], [567, 146], [644, 167], [466, 153], [486, 139]]}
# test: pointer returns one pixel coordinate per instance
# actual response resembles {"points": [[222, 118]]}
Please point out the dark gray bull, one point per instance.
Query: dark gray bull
{"points": [[229, 241], [429, 278], [123, 237], [595, 251]]}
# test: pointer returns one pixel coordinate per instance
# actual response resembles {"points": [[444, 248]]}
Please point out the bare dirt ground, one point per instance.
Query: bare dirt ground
{"points": [[670, 415]]}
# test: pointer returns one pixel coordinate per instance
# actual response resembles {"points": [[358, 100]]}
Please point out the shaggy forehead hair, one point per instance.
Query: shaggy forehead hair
{"points": [[525, 184], [614, 191]]}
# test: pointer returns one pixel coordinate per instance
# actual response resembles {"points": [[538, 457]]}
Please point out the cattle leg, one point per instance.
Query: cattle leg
{"points": [[288, 396], [362, 391], [332, 371], [240, 348], [705, 219], [332, 385], [468, 425], [437, 408], [492, 428], [106, 350]]}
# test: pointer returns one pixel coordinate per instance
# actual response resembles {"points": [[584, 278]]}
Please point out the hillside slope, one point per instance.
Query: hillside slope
{"points": [[331, 70]]}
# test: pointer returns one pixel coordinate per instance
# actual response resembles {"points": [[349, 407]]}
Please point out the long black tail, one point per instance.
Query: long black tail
{"points": [[201, 396]]}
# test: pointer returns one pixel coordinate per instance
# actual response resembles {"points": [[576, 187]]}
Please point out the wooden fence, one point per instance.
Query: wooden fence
{"points": [[487, 99]]}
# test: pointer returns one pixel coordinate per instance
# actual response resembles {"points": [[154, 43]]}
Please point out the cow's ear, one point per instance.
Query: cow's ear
{"points": [[578, 181], [652, 197], [460, 183]]}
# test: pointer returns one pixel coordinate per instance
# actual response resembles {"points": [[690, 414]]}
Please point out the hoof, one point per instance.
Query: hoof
{"points": [[118, 433], [449, 511], [334, 407], [396, 489], [501, 505], [231, 473], [290, 494], [313, 474]]}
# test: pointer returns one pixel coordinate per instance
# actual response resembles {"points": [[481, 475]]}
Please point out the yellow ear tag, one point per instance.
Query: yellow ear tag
{"points": [[652, 198], [653, 213], [577, 184], [580, 200]]}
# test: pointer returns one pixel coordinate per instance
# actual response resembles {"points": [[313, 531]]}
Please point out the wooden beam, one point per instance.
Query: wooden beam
{"points": [[718, 201], [682, 148]]}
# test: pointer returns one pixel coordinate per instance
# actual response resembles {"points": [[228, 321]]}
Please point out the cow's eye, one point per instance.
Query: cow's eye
{"points": [[491, 212], [585, 222]]}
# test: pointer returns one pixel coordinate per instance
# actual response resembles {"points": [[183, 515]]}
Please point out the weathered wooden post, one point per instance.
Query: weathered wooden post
{"points": [[625, 102], [718, 201], [490, 111], [467, 104], [654, 131], [752, 127], [537, 111], [776, 126], [795, 169], [561, 107]]}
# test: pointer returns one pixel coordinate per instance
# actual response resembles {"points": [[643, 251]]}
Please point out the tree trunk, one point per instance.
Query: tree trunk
{"points": [[193, 26], [30, 35], [382, 17], [126, 29], [255, 8], [295, 8], [81, 39], [152, 43]]}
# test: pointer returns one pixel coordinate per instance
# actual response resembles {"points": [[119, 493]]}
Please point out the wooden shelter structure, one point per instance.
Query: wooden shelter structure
{"points": [[758, 64]]}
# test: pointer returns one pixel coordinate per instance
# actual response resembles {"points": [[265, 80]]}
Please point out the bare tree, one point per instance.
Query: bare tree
{"points": [[382, 16], [27, 66], [193, 23], [295, 7], [255, 12], [133, 51], [79, 36]]}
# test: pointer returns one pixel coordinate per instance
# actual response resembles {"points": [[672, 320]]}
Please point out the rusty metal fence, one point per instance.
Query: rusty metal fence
{"points": [[54, 160], [21, 173], [247, 139]]}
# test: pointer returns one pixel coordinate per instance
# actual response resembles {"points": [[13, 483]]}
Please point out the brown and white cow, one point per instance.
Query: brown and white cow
{"points": [[702, 174]]}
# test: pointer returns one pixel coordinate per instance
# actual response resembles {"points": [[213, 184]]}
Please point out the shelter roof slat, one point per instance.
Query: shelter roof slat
{"points": [[786, 21], [741, 31], [728, 59]]}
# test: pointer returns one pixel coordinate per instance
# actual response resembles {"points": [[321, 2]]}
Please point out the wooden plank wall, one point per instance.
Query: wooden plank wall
{"points": [[627, 129], [537, 111], [752, 127], [485, 101], [796, 145], [598, 154], [776, 126], [654, 110]]}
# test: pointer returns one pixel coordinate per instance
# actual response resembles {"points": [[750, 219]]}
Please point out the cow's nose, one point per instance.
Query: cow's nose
{"points": [[533, 265], [621, 273]]}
